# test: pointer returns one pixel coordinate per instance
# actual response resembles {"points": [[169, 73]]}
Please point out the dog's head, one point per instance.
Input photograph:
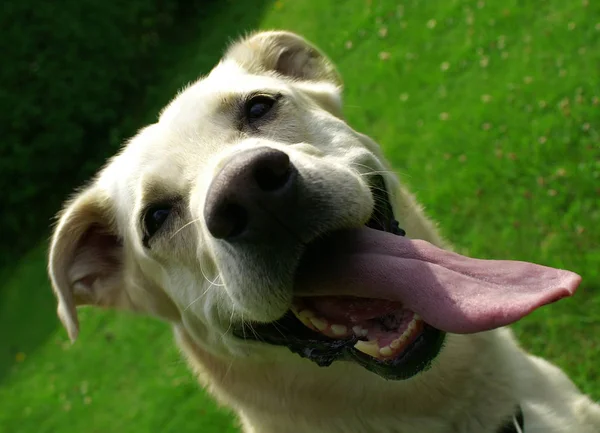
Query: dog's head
{"points": [[205, 218], [202, 217]]}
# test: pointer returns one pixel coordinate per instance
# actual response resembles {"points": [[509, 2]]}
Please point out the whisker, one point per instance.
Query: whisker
{"points": [[230, 322], [372, 172], [184, 226], [212, 284], [277, 329]]}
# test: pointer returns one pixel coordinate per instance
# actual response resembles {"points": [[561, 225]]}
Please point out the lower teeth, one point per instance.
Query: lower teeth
{"points": [[372, 348]]}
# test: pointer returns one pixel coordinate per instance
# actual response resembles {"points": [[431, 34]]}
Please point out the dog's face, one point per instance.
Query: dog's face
{"points": [[202, 217], [252, 211]]}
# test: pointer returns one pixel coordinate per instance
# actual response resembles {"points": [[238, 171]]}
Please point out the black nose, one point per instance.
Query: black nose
{"points": [[252, 192]]}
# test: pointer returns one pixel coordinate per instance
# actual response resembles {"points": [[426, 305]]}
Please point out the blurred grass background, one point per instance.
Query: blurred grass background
{"points": [[488, 110]]}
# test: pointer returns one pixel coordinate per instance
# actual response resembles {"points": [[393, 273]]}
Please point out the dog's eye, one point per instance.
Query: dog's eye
{"points": [[258, 106], [154, 218]]}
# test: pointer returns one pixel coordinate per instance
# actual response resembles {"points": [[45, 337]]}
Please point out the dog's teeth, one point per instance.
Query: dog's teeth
{"points": [[306, 314], [338, 329], [398, 341], [368, 347], [386, 351], [359, 331], [320, 324]]}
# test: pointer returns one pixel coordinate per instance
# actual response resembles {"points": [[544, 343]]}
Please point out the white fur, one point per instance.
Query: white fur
{"points": [[201, 287]]}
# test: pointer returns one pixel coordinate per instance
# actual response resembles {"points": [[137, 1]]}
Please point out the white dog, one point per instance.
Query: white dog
{"points": [[263, 228]]}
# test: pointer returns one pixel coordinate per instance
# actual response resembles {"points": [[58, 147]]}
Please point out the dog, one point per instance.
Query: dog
{"points": [[304, 283]]}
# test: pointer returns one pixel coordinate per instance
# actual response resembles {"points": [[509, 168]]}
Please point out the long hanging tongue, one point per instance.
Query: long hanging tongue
{"points": [[451, 292]]}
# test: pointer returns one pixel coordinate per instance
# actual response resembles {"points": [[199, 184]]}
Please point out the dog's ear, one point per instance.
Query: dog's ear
{"points": [[283, 53], [86, 258]]}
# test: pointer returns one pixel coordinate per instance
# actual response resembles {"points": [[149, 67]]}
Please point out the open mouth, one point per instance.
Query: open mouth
{"points": [[378, 298], [381, 335]]}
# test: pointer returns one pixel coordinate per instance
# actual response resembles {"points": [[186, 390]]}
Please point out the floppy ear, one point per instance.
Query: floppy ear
{"points": [[86, 258], [283, 53]]}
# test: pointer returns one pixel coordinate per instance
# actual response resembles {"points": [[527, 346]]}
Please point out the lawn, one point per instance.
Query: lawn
{"points": [[490, 111]]}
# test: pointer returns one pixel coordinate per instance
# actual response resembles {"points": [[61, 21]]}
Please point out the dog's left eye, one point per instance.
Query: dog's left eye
{"points": [[258, 106], [154, 219]]}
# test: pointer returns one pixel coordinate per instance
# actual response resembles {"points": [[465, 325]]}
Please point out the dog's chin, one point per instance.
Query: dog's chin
{"points": [[381, 336]]}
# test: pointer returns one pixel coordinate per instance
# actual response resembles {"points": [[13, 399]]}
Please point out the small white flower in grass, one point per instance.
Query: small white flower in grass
{"points": [[348, 45], [383, 32], [444, 116], [486, 98], [501, 42], [585, 126], [484, 62], [431, 24], [445, 66], [404, 97], [384, 55]]}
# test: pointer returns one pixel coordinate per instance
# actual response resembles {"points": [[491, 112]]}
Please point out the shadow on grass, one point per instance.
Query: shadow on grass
{"points": [[192, 48]]}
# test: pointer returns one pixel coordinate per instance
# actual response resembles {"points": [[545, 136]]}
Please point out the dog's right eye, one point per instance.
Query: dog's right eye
{"points": [[258, 107], [154, 219]]}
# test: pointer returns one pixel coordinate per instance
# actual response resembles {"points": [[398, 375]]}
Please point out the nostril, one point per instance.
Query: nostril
{"points": [[273, 172], [238, 217], [269, 180], [229, 221]]}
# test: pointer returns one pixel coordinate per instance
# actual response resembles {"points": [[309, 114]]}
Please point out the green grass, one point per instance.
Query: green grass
{"points": [[489, 110]]}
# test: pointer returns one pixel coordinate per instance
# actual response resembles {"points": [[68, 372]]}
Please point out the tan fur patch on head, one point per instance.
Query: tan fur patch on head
{"points": [[283, 53]]}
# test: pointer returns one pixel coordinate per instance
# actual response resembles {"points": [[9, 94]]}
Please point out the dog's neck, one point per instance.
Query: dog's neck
{"points": [[294, 391]]}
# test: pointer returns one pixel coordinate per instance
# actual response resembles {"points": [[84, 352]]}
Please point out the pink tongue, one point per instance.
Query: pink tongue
{"points": [[450, 292]]}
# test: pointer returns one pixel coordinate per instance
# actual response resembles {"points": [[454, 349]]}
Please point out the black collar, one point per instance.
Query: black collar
{"points": [[516, 423]]}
